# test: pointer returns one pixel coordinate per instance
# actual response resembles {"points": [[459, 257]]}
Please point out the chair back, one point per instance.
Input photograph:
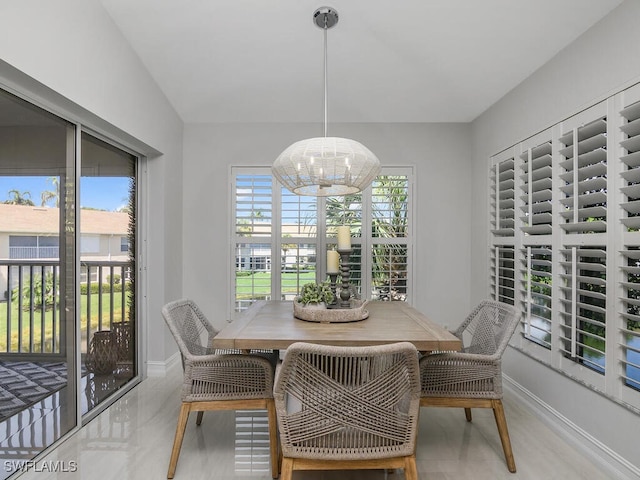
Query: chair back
{"points": [[346, 403], [488, 328], [191, 329]]}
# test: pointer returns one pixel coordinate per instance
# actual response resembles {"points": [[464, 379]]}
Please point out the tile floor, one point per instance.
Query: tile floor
{"points": [[132, 440]]}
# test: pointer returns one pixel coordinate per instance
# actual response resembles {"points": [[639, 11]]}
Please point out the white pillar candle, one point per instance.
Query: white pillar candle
{"points": [[344, 238], [333, 261]]}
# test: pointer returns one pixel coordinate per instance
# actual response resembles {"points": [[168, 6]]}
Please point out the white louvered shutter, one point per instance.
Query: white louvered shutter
{"points": [[390, 249], [584, 305], [503, 274], [536, 184], [630, 331], [536, 275], [253, 232], [584, 178], [503, 198], [631, 162]]}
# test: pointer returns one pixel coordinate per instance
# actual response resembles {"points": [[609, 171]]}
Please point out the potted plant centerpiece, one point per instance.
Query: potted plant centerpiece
{"points": [[312, 305], [315, 295]]}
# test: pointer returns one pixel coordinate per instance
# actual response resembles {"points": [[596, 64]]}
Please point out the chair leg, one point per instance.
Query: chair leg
{"points": [[287, 468], [199, 417], [501, 422], [467, 413], [273, 438], [410, 468], [177, 441]]}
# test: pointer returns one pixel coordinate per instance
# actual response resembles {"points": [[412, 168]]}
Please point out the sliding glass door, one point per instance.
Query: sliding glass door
{"points": [[67, 277], [107, 270], [37, 277]]}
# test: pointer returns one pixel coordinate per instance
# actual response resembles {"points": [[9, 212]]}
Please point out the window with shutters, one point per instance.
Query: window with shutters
{"points": [[570, 258], [277, 237]]}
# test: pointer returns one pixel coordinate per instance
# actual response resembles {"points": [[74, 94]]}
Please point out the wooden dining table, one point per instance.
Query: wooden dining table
{"points": [[272, 325]]}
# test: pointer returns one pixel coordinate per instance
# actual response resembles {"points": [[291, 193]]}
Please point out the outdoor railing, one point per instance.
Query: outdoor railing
{"points": [[30, 319], [49, 253]]}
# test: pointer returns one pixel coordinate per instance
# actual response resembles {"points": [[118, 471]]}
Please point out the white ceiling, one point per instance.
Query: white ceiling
{"points": [[392, 61]]}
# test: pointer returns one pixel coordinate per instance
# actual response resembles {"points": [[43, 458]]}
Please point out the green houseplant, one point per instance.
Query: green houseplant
{"points": [[315, 293]]}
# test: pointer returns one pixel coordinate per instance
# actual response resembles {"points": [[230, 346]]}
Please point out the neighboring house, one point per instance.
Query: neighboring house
{"points": [[28, 233], [257, 257]]}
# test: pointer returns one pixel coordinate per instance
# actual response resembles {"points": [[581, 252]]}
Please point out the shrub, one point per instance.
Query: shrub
{"points": [[95, 288], [35, 289]]}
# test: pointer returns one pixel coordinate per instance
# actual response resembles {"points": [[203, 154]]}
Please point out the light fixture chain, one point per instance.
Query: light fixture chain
{"points": [[326, 94]]}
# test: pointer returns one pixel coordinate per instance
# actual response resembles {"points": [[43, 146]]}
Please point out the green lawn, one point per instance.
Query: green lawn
{"points": [[259, 283], [48, 320]]}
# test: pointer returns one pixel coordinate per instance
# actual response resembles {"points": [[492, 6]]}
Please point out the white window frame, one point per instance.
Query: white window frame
{"points": [[323, 239]]}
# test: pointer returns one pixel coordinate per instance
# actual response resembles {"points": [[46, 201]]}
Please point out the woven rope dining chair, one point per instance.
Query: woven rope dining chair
{"points": [[342, 408], [472, 378], [215, 379]]}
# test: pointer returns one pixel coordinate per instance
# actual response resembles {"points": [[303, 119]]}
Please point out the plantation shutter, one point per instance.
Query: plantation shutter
{"points": [[503, 198], [584, 305], [298, 243], [630, 266], [584, 179], [537, 188], [253, 237], [631, 162], [253, 206], [390, 248], [536, 294], [631, 318], [348, 210], [503, 274]]}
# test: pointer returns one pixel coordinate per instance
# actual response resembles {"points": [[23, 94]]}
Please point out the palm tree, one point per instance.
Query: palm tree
{"points": [[54, 194], [345, 210], [19, 198]]}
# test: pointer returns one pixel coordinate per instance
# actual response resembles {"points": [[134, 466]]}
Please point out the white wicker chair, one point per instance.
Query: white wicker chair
{"points": [[348, 407], [215, 379], [472, 378]]}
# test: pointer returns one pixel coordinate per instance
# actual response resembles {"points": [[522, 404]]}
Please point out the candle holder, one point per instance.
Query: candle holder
{"points": [[345, 290], [333, 278]]}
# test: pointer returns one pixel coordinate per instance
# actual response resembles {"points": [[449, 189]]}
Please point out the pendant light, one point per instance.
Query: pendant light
{"points": [[325, 166]]}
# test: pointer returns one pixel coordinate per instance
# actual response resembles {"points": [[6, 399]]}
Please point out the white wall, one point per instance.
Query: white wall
{"points": [[68, 56], [440, 153], [602, 61]]}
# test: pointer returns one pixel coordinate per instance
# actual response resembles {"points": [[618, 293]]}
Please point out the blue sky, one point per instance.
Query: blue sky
{"points": [[105, 193]]}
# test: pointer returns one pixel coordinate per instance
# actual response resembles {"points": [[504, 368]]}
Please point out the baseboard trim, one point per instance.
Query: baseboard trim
{"points": [[603, 455], [160, 369]]}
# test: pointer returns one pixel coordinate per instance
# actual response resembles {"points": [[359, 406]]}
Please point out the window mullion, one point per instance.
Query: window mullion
{"points": [[321, 247], [276, 239], [366, 246]]}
